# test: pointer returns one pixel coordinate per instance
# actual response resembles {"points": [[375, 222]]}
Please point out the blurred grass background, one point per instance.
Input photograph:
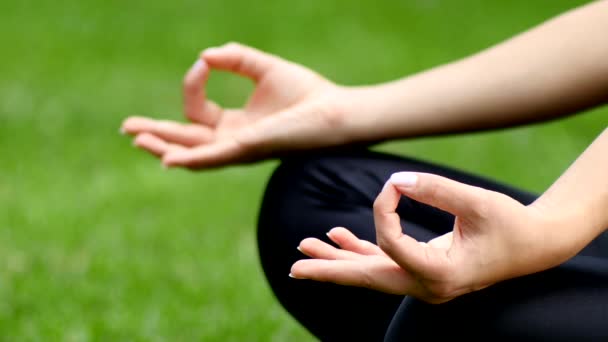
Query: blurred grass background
{"points": [[98, 243]]}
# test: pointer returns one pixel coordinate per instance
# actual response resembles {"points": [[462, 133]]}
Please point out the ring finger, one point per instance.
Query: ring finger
{"points": [[154, 144]]}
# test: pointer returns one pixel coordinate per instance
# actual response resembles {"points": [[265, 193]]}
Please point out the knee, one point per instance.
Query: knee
{"points": [[285, 217], [321, 180], [298, 200], [304, 183], [289, 192]]}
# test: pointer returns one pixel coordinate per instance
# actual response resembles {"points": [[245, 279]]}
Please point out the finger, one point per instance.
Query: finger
{"points": [[443, 241], [241, 59], [318, 249], [196, 107], [216, 154], [348, 241], [454, 197], [154, 144], [246, 144], [380, 275], [403, 249], [187, 135]]}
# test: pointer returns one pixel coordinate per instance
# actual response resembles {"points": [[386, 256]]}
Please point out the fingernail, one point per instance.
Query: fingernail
{"points": [[299, 249], [386, 184], [122, 131], [291, 276], [211, 51], [197, 64], [404, 179]]}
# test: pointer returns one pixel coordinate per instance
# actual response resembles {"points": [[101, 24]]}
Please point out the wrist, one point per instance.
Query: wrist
{"points": [[566, 227]]}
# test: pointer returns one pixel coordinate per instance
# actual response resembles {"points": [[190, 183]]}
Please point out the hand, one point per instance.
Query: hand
{"points": [[494, 238], [291, 108]]}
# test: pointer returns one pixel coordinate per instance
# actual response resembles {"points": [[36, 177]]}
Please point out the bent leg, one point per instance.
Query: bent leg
{"points": [[567, 303], [307, 196]]}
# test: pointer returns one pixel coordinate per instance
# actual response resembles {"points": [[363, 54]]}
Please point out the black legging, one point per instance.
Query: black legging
{"points": [[309, 194]]}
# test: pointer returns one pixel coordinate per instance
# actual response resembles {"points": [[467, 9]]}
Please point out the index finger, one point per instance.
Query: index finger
{"points": [[196, 106], [403, 249]]}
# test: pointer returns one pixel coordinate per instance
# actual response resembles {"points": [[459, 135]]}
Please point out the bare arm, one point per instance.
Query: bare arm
{"points": [[578, 200], [555, 69], [552, 70]]}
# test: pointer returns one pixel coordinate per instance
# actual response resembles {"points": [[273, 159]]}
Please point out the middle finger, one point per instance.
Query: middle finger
{"points": [[318, 249], [182, 134]]}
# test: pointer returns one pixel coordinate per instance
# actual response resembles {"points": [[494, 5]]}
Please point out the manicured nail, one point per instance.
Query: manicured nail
{"points": [[386, 184], [291, 276], [197, 64], [404, 179], [210, 50], [299, 249]]}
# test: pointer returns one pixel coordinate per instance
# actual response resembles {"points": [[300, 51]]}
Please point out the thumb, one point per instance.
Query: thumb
{"points": [[443, 193], [440, 192], [241, 59]]}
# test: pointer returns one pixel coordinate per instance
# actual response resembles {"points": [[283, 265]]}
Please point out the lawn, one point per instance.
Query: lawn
{"points": [[98, 243]]}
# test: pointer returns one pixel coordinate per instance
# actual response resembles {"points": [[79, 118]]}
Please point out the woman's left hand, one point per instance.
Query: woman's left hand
{"points": [[494, 238]]}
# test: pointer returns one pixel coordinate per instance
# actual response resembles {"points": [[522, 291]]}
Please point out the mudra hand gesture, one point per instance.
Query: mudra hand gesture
{"points": [[494, 238], [291, 108]]}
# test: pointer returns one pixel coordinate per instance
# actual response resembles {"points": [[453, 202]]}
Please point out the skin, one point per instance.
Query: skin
{"points": [[494, 237], [553, 70]]}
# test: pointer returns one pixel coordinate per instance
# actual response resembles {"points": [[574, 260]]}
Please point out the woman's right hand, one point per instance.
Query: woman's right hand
{"points": [[291, 108], [494, 238]]}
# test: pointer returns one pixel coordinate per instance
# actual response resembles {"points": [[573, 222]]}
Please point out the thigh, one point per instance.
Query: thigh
{"points": [[567, 303], [308, 195]]}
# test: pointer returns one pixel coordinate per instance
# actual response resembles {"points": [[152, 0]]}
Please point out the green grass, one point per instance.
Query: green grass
{"points": [[98, 243]]}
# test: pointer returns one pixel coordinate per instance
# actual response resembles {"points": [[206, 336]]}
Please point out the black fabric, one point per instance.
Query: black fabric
{"points": [[309, 194]]}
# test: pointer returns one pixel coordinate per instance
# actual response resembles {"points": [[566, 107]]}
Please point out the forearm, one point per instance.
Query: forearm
{"points": [[576, 205], [555, 69]]}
